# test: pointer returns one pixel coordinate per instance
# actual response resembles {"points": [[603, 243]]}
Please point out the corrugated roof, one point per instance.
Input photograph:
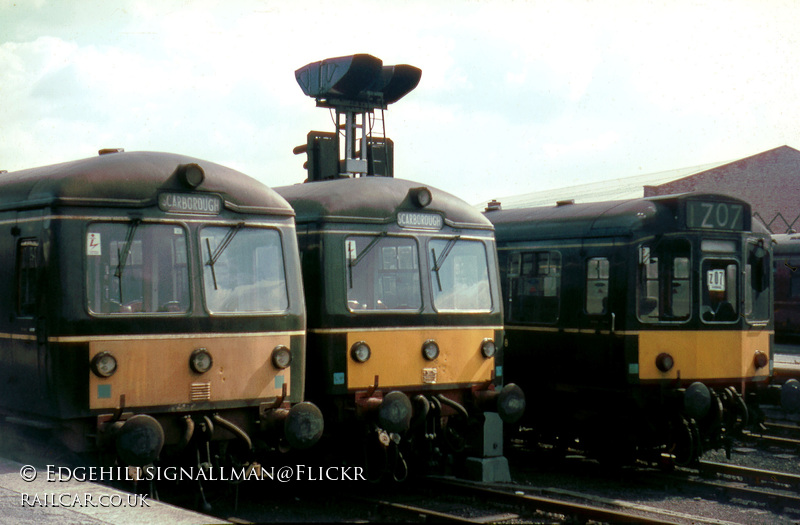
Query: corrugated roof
{"points": [[616, 189]]}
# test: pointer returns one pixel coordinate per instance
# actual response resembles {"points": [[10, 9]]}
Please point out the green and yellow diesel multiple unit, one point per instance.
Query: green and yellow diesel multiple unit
{"points": [[152, 303], [404, 312], [639, 326]]}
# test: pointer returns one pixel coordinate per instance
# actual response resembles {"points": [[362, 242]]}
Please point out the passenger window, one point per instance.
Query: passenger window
{"points": [[534, 286], [27, 276], [597, 285]]}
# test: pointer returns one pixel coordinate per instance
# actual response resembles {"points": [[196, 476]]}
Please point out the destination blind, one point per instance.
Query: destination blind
{"points": [[702, 215], [187, 203], [427, 221]]}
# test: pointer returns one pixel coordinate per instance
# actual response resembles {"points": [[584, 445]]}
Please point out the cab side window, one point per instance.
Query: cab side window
{"points": [[27, 276], [535, 286]]}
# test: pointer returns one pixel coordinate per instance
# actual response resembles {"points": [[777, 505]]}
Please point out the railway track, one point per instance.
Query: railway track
{"points": [[776, 435], [753, 476], [781, 430], [568, 506], [724, 483], [547, 505], [420, 511], [450, 500], [566, 490], [460, 501], [775, 490], [642, 496]]}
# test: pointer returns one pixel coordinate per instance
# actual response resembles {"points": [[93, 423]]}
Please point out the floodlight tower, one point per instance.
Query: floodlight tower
{"points": [[354, 86]]}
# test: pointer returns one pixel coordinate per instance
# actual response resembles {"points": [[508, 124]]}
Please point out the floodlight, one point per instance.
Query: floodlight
{"points": [[344, 77]]}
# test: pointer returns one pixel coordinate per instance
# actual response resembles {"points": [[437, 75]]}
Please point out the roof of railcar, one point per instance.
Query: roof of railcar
{"points": [[595, 219], [132, 179], [786, 243], [375, 200]]}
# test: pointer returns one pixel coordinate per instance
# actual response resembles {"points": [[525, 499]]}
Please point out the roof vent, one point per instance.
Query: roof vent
{"points": [[494, 205], [106, 151], [565, 202]]}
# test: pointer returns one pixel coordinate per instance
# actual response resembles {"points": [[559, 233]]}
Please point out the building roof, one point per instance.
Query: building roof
{"points": [[769, 181], [616, 189]]}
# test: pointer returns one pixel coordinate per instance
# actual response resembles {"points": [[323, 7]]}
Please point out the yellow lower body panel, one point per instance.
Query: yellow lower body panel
{"points": [[703, 354], [154, 371], [398, 362]]}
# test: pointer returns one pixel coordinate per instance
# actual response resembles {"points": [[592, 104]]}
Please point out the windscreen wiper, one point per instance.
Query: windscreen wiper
{"points": [[213, 257], [122, 256], [364, 252], [437, 263]]}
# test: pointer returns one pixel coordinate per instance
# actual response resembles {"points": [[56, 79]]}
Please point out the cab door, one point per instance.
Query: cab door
{"points": [[30, 331], [597, 347]]}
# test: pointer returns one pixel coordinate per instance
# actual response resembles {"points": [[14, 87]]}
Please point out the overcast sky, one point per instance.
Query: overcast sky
{"points": [[515, 96]]}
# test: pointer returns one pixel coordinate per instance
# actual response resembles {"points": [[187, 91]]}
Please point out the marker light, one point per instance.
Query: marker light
{"points": [[664, 362], [192, 175], [281, 357], [488, 348], [421, 196], [430, 350], [200, 361], [360, 352], [760, 359], [104, 364]]}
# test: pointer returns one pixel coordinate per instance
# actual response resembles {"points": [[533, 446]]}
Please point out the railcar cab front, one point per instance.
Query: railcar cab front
{"points": [[703, 272], [666, 265], [733, 278], [406, 310], [388, 263], [154, 295]]}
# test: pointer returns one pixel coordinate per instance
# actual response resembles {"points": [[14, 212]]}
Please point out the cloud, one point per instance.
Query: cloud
{"points": [[514, 94], [599, 143]]}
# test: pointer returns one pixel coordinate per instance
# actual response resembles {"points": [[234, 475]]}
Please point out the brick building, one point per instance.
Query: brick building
{"points": [[769, 181]]}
